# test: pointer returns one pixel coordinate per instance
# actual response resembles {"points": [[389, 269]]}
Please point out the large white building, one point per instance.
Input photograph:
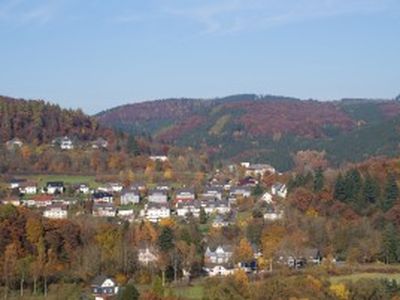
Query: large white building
{"points": [[55, 212], [154, 212]]}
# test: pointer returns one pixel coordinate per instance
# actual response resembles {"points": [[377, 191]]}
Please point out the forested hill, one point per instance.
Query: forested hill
{"points": [[269, 128], [36, 121]]}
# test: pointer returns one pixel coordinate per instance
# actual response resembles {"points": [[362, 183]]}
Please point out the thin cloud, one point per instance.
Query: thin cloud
{"points": [[224, 17], [22, 12]]}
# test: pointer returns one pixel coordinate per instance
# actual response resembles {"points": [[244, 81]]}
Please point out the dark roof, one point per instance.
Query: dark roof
{"points": [[55, 183], [99, 280]]}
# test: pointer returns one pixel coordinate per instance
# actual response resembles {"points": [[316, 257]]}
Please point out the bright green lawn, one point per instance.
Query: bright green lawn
{"points": [[67, 179]]}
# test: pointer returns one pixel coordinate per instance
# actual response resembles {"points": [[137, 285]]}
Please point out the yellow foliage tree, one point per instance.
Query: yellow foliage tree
{"points": [[243, 252], [271, 239], [340, 291]]}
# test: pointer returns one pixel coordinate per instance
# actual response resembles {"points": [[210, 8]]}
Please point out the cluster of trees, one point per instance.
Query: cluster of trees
{"points": [[308, 286], [38, 122]]}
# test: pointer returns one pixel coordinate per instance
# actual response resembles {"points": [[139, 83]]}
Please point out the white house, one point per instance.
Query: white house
{"points": [[158, 196], [212, 192], [55, 212], [183, 209], [218, 261], [161, 158], [100, 143], [126, 214], [216, 207], [279, 189], [154, 212], [84, 189], [66, 143], [54, 187], [16, 183], [259, 170], [241, 192], [14, 143], [130, 196], [266, 197], [183, 195], [102, 197], [28, 188], [104, 210], [104, 288], [147, 255]]}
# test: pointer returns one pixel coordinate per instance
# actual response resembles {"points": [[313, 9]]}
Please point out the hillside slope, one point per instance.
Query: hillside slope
{"points": [[266, 128], [38, 122]]}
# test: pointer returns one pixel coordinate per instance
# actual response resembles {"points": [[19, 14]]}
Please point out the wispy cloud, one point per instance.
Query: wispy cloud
{"points": [[230, 16], [25, 12]]}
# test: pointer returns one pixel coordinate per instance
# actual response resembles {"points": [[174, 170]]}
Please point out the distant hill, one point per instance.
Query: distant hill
{"points": [[266, 128], [37, 121]]}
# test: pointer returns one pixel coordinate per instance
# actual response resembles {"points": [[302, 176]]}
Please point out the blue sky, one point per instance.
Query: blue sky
{"points": [[96, 54]]}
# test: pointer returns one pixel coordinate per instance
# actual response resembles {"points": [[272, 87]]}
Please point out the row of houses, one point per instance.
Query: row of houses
{"points": [[64, 143]]}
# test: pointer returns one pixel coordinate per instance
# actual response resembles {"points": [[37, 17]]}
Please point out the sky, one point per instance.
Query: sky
{"points": [[97, 54]]}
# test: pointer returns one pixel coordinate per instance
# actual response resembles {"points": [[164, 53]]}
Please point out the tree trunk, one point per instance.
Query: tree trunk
{"points": [[270, 265], [21, 287], [163, 277], [45, 286], [34, 285]]}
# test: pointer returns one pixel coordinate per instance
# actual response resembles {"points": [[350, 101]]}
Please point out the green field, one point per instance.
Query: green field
{"points": [[67, 179], [194, 292]]}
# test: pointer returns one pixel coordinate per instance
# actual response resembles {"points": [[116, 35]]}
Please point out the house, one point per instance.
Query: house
{"points": [[216, 207], [66, 143], [158, 196], [243, 191], [104, 210], [161, 158], [130, 196], [126, 214], [301, 258], [55, 211], [14, 143], [212, 193], [140, 186], [266, 197], [273, 214], [12, 201], [154, 211], [111, 187], [183, 195], [16, 183], [83, 189], [259, 169], [279, 189], [186, 208], [248, 181], [54, 187], [220, 221], [28, 188], [147, 255], [102, 197], [104, 287], [218, 261], [100, 143], [163, 187], [39, 201]]}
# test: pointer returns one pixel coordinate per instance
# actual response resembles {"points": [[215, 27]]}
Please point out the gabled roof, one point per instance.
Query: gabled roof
{"points": [[99, 280]]}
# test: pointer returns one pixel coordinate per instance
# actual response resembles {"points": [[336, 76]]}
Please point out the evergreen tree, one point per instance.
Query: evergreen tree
{"points": [[128, 293], [132, 146], [353, 187], [391, 193], [390, 244], [203, 216], [166, 239], [340, 189], [257, 191], [319, 180], [370, 191]]}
